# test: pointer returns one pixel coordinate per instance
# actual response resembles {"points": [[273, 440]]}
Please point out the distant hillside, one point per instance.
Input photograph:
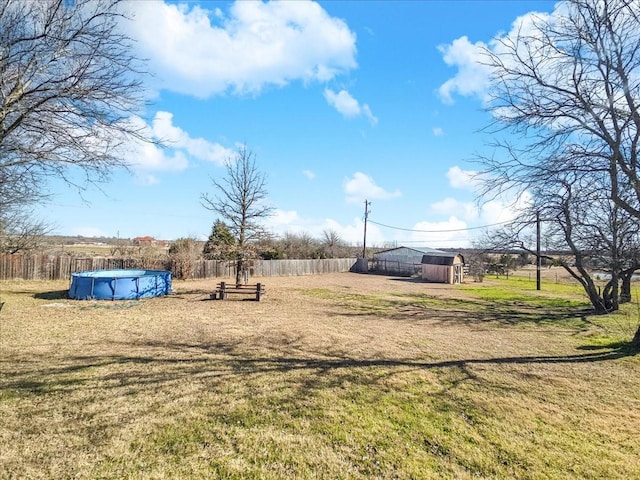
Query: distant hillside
{"points": [[78, 239]]}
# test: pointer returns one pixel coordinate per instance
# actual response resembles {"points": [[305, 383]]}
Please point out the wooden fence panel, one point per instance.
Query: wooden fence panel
{"points": [[60, 267]]}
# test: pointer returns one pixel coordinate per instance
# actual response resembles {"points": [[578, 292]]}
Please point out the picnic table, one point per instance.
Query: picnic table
{"points": [[223, 290]]}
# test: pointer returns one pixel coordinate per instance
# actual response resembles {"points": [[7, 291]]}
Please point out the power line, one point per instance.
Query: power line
{"points": [[441, 231]]}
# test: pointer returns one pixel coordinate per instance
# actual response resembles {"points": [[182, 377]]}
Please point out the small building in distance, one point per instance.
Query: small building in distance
{"points": [[149, 242], [443, 267], [144, 241]]}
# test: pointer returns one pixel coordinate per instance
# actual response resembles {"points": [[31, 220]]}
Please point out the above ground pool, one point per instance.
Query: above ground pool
{"points": [[119, 284]]}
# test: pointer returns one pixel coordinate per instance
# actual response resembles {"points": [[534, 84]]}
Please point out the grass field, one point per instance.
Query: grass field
{"points": [[340, 376]]}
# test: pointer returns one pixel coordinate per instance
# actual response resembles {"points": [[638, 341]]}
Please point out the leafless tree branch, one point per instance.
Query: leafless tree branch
{"points": [[240, 201]]}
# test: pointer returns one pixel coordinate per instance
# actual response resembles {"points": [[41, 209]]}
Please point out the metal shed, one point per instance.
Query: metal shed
{"points": [[401, 260], [443, 267]]}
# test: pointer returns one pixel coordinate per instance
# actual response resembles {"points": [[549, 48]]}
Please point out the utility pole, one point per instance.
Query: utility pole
{"points": [[364, 242], [538, 259]]}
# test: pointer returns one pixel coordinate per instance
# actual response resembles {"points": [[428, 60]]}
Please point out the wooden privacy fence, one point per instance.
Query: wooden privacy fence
{"points": [[60, 267], [275, 268]]}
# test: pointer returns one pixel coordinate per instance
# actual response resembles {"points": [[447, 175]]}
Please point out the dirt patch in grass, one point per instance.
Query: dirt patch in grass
{"points": [[331, 376]]}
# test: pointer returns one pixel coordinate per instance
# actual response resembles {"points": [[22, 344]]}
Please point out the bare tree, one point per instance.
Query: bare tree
{"points": [[332, 242], [183, 254], [580, 219], [69, 84], [568, 87], [300, 245], [240, 202], [588, 230], [20, 231]]}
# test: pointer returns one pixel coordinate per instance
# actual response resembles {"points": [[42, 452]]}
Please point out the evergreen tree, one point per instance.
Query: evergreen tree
{"points": [[221, 244]]}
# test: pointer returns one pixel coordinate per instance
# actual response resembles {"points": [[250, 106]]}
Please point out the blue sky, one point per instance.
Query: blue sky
{"points": [[339, 101]]}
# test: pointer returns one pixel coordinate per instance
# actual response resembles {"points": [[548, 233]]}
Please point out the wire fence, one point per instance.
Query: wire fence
{"points": [[395, 267]]}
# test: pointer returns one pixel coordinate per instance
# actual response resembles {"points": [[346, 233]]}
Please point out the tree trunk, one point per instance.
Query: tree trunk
{"points": [[610, 294], [625, 290], [239, 269], [597, 299], [635, 343]]}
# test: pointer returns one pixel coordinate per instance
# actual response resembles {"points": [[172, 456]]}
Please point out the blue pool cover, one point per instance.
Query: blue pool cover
{"points": [[119, 284]]}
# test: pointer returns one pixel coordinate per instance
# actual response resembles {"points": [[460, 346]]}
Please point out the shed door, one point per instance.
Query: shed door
{"points": [[457, 273]]}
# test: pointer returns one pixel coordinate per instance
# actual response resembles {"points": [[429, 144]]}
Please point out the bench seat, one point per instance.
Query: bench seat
{"points": [[223, 290]]}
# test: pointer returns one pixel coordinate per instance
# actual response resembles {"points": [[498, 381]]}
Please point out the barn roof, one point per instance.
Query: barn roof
{"points": [[441, 258], [423, 250]]}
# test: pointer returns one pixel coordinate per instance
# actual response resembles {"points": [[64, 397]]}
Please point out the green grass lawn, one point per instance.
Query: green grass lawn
{"points": [[340, 376]]}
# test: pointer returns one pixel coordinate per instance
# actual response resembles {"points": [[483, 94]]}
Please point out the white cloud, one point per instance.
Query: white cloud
{"points": [[472, 76], [157, 159], [175, 137], [366, 111], [353, 233], [362, 187], [343, 102], [149, 156], [465, 220], [462, 179], [201, 52], [283, 222], [282, 218], [505, 208], [457, 228], [451, 206], [491, 214], [496, 211], [438, 132], [177, 150], [309, 174], [348, 106], [447, 233]]}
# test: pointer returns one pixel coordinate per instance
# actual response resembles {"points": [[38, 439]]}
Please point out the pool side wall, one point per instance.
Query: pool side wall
{"points": [[119, 284]]}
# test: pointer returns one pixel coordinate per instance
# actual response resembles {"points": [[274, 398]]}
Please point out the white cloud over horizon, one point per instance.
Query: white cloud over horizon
{"points": [[504, 207], [289, 221], [451, 232], [452, 223], [201, 52]]}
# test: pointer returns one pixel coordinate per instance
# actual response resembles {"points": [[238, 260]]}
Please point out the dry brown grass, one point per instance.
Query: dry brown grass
{"points": [[333, 376]]}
